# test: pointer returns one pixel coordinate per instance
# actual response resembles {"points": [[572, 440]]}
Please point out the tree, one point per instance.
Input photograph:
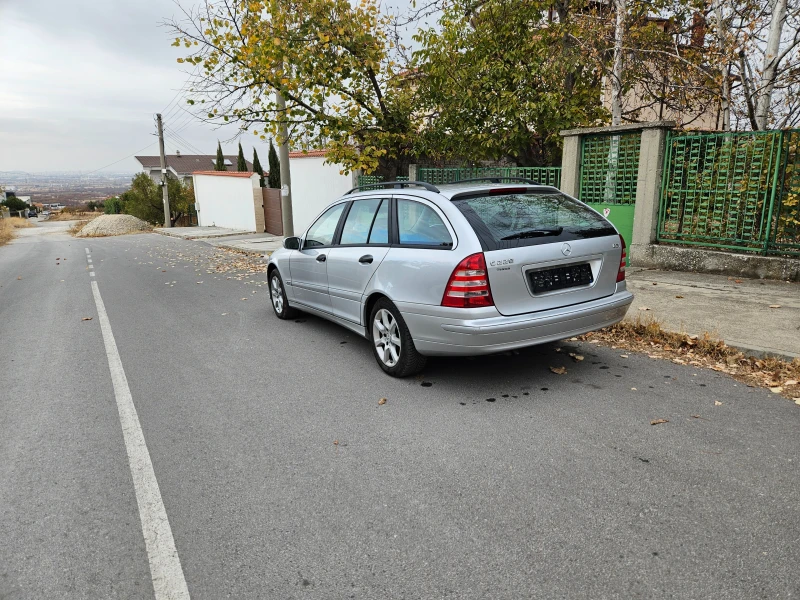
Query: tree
{"points": [[113, 206], [274, 167], [14, 203], [258, 168], [332, 61], [764, 47], [501, 80], [220, 164], [241, 163], [144, 199]]}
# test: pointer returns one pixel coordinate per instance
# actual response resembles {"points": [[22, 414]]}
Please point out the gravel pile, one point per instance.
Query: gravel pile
{"points": [[113, 225]]}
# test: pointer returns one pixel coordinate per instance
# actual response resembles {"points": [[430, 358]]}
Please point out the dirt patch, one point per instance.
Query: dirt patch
{"points": [[647, 336], [7, 227], [72, 215], [107, 225]]}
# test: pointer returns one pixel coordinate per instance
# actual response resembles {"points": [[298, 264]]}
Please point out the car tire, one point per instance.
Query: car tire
{"points": [[277, 296], [392, 345]]}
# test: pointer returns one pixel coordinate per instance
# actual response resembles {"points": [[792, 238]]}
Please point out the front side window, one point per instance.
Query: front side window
{"points": [[322, 231], [419, 225], [363, 219]]}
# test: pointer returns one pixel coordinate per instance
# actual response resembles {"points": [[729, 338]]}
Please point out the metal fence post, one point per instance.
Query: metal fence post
{"points": [[778, 169]]}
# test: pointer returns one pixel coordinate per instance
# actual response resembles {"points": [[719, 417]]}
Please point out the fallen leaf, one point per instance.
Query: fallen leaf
{"points": [[654, 283], [774, 305], [624, 355], [738, 281], [797, 401], [558, 370], [791, 382], [634, 389], [576, 357], [717, 403], [382, 401], [86, 319], [18, 278], [776, 390], [244, 298], [696, 417], [679, 297], [659, 421], [558, 349], [335, 442], [644, 308]]}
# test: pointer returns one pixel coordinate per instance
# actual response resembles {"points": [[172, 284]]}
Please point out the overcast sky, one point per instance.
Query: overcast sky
{"points": [[81, 80]]}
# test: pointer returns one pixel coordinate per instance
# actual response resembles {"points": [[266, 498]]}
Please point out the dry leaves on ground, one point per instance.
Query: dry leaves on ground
{"points": [[382, 401], [647, 336], [576, 357], [659, 421], [559, 370], [86, 319]]}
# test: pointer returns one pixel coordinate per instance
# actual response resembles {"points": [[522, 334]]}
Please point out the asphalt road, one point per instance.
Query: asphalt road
{"points": [[282, 476]]}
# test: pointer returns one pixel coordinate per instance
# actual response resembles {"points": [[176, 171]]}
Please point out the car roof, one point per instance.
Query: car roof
{"points": [[448, 190]]}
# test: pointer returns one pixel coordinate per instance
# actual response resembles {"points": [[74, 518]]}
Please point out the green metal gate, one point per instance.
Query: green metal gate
{"points": [[542, 175], [609, 175], [732, 190]]}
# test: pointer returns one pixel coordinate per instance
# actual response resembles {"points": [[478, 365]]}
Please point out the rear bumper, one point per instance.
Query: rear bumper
{"points": [[445, 334]]}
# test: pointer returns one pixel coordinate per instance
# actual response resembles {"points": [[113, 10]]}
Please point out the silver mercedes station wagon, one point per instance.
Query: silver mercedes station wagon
{"points": [[471, 268]]}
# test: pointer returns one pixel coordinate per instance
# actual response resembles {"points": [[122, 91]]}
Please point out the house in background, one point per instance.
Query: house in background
{"points": [[181, 166]]}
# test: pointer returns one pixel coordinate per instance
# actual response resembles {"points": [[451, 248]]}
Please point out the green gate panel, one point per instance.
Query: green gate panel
{"points": [[621, 215]]}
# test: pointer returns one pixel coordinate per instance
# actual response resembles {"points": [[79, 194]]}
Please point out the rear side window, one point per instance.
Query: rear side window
{"points": [[419, 225], [526, 219]]}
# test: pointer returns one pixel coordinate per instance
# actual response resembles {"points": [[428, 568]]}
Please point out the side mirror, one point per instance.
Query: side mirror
{"points": [[292, 243]]}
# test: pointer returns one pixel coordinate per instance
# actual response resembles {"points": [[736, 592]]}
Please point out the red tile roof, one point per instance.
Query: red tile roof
{"points": [[225, 173]]}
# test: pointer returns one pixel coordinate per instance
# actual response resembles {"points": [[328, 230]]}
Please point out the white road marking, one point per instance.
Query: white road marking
{"points": [[89, 260], [169, 582], [87, 250], [91, 273], [91, 266]]}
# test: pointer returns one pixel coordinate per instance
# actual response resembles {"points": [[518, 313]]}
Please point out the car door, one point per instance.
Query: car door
{"points": [[363, 244], [308, 266]]}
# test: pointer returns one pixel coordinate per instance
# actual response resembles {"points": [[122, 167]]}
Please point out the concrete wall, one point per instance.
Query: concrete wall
{"points": [[258, 209], [702, 260], [314, 186], [226, 199]]}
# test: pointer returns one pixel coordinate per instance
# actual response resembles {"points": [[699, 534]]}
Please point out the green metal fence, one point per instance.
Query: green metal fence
{"points": [[368, 180], [738, 191], [542, 175], [610, 168]]}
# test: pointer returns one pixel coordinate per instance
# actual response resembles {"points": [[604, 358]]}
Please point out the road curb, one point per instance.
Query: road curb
{"points": [[197, 237]]}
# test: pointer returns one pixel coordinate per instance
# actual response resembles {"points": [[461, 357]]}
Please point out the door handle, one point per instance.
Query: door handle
{"points": [[366, 259], [321, 258]]}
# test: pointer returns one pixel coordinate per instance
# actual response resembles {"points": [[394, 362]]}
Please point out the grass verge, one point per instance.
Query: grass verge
{"points": [[647, 336], [7, 227]]}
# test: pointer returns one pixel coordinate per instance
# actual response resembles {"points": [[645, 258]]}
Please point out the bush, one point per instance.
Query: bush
{"points": [[113, 206]]}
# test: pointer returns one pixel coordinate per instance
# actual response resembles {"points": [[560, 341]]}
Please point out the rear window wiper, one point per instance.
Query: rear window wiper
{"points": [[534, 233]]}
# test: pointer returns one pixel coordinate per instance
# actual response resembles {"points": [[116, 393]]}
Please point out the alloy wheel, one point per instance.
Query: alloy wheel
{"points": [[386, 336], [276, 291]]}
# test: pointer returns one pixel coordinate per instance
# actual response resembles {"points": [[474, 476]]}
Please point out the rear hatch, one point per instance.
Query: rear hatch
{"points": [[543, 249]]}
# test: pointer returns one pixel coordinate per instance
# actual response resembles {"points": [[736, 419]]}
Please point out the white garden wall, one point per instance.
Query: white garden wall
{"points": [[314, 186], [225, 199]]}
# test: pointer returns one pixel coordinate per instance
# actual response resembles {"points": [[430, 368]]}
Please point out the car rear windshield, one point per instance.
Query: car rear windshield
{"points": [[508, 220]]}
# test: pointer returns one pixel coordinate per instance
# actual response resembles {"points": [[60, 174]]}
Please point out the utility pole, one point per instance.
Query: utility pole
{"points": [[164, 186], [286, 177]]}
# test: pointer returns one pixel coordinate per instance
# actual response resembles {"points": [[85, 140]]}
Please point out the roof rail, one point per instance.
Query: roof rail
{"points": [[498, 180], [396, 185]]}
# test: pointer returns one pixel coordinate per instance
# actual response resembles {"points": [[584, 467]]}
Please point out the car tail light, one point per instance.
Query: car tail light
{"points": [[621, 272], [468, 286]]}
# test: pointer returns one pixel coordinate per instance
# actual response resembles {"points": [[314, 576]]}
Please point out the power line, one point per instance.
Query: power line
{"points": [[182, 142], [121, 159]]}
